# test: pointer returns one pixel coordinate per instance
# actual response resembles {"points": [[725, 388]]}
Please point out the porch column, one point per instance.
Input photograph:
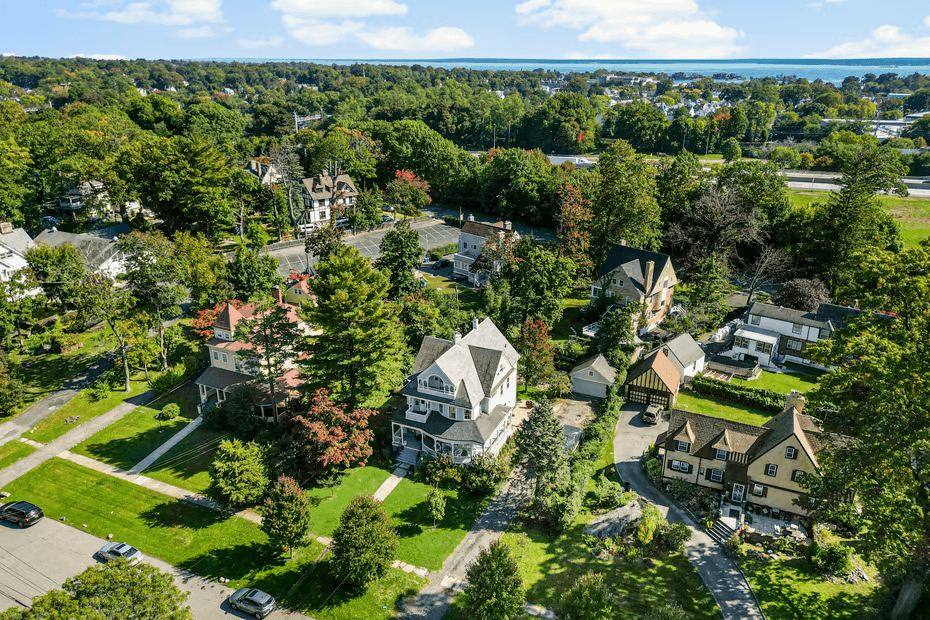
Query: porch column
{"points": [[203, 392]]}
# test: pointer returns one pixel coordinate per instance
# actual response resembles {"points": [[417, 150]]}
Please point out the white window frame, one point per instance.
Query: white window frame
{"points": [[796, 328], [681, 466], [595, 291], [225, 358], [466, 415], [719, 452], [716, 475], [771, 470], [685, 444], [216, 356], [758, 490], [797, 474], [791, 452]]}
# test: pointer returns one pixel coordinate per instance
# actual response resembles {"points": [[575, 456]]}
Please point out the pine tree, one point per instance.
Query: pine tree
{"points": [[252, 274], [286, 519], [359, 353], [495, 589], [399, 254], [543, 445]]}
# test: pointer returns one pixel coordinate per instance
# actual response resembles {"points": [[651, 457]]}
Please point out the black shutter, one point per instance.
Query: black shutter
{"points": [[669, 463], [690, 468], [707, 474], [765, 490]]}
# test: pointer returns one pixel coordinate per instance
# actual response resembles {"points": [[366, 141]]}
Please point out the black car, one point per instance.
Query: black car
{"points": [[23, 514], [442, 263]]}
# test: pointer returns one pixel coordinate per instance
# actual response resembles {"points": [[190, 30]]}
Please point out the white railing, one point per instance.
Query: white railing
{"points": [[417, 416], [426, 389]]}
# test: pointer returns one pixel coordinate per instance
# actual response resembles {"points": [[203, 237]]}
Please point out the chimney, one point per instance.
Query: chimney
{"points": [[276, 293], [474, 322], [795, 399], [5, 228], [508, 225], [623, 242], [471, 217], [647, 280], [457, 337]]}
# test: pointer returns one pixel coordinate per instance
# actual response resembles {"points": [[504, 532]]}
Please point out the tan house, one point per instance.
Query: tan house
{"points": [[753, 465], [654, 381], [326, 197], [632, 276]]}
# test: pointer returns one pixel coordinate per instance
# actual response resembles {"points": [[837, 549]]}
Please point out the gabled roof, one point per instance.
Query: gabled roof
{"points": [[17, 240], [662, 366], [94, 250], [323, 186], [430, 350], [487, 230], [682, 351], [231, 315], [632, 262], [792, 422], [598, 364], [788, 315], [709, 433]]}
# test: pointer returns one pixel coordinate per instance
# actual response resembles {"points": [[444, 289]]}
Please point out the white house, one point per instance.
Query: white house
{"points": [[472, 239], [323, 194], [593, 377], [98, 247], [460, 397], [13, 245], [685, 354]]}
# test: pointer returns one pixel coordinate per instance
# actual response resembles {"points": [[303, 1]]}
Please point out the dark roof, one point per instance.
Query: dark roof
{"points": [[838, 315], [484, 229], [430, 350], [111, 232], [323, 186], [600, 365], [441, 427], [788, 315], [220, 378], [633, 261]]}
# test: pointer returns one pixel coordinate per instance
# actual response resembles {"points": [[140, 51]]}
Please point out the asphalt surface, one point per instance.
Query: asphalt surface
{"points": [[433, 234], [40, 558], [721, 576]]}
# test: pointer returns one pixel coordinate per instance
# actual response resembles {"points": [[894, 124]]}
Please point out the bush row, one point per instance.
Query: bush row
{"points": [[443, 250], [767, 400]]}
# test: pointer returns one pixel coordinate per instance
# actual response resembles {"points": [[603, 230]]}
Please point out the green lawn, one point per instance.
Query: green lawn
{"points": [[43, 374], [911, 212], [84, 409], [187, 465], [329, 501], [571, 310], [139, 433], [788, 590], [420, 543], [708, 405], [468, 297], [12, 451], [783, 383]]}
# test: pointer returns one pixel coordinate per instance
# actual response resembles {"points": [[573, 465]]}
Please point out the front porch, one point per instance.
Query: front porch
{"points": [[416, 440], [762, 520]]}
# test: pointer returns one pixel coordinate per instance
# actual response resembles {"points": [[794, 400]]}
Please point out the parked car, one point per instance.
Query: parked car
{"points": [[22, 514], [342, 222], [458, 277], [387, 218], [651, 414], [49, 221], [387, 208], [253, 601], [442, 263], [120, 551], [308, 228]]}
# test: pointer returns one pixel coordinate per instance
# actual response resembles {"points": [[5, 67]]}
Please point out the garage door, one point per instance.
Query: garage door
{"points": [[659, 398], [638, 395]]}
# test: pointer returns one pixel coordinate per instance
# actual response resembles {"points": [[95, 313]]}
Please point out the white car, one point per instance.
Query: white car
{"points": [[120, 551]]}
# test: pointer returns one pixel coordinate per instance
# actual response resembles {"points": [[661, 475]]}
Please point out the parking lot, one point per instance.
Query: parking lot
{"points": [[40, 558], [433, 234]]}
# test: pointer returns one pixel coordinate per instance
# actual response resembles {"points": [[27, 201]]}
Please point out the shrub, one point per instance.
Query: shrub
{"points": [[11, 395], [767, 400], [734, 546], [437, 469], [833, 558], [99, 390], [443, 250], [239, 473], [609, 494], [168, 412], [495, 589], [364, 544], [785, 545], [670, 537], [654, 470], [588, 599], [648, 524], [485, 475], [172, 378]]}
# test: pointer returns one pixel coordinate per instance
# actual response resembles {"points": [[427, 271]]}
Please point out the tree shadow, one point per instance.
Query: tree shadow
{"points": [[125, 452], [171, 514]]}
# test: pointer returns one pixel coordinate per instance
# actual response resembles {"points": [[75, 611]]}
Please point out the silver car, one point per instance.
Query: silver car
{"points": [[253, 601], [120, 551]]}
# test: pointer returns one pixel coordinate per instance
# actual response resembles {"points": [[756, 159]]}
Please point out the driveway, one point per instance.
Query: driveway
{"points": [[433, 234], [40, 558], [721, 576]]}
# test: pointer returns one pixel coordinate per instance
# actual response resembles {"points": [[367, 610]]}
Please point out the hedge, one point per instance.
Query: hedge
{"points": [[443, 250], [767, 400], [451, 220]]}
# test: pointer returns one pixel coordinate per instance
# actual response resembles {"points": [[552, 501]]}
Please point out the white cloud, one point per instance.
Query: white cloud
{"points": [[203, 32], [252, 43], [927, 21], [885, 42], [322, 9], [658, 28], [159, 12], [100, 56]]}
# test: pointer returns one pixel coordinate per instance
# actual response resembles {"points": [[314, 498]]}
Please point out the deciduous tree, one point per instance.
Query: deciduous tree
{"points": [[436, 504], [100, 298], [539, 279], [536, 355], [364, 544], [57, 271], [252, 273], [495, 589], [804, 294], [588, 599], [330, 437], [239, 473], [286, 519], [575, 230], [399, 254], [407, 192]]}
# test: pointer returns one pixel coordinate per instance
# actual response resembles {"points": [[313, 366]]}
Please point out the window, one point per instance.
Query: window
{"points": [[662, 305], [795, 328], [225, 359], [741, 342], [797, 475], [467, 415], [610, 293], [650, 299], [758, 489], [451, 412], [791, 453], [755, 319], [721, 455], [628, 299], [298, 292], [216, 355], [771, 469], [683, 446], [793, 345], [613, 280], [681, 466], [763, 347], [665, 283], [590, 373], [716, 475], [595, 291]]}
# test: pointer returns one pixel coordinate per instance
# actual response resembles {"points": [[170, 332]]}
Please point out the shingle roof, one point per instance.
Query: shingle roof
{"points": [[19, 241], [662, 366], [484, 229], [598, 364], [430, 350], [93, 250], [478, 430], [221, 378], [632, 261], [789, 315], [683, 350], [323, 186]]}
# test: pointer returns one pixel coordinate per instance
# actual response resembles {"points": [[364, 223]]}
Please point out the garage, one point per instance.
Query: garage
{"points": [[593, 377], [654, 381]]}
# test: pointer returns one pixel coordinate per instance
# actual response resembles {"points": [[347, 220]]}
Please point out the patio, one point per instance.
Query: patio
{"points": [[762, 520]]}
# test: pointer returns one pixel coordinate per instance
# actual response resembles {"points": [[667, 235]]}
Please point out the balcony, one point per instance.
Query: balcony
{"points": [[417, 416], [446, 391]]}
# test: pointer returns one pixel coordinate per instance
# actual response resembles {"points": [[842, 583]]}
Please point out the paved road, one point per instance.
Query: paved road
{"points": [[45, 407], [721, 576], [38, 559], [432, 602]]}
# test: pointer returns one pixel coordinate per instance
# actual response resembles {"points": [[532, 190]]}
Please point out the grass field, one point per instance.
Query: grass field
{"points": [[912, 213], [329, 501], [13, 451], [708, 405], [137, 434], [187, 464], [571, 310], [85, 409], [783, 382]]}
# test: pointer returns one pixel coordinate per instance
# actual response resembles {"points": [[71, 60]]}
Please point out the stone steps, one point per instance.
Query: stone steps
{"points": [[407, 457], [720, 531]]}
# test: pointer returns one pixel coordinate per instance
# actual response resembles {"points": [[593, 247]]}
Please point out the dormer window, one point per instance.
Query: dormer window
{"points": [[721, 455], [467, 414], [683, 446]]}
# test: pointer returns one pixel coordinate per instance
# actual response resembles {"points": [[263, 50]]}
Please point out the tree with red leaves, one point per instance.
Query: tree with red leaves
{"points": [[535, 349], [407, 192], [203, 322], [329, 437], [574, 229]]}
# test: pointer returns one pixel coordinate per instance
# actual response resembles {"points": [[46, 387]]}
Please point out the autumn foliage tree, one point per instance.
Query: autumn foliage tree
{"points": [[574, 235], [330, 437], [286, 519], [203, 322], [408, 192], [536, 352]]}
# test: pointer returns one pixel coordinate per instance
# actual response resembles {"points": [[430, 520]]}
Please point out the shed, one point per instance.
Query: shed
{"points": [[593, 377], [654, 381]]}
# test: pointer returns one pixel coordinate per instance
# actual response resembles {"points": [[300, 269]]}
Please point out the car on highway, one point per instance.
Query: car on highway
{"points": [[442, 263], [120, 551], [253, 601], [22, 514], [651, 414]]}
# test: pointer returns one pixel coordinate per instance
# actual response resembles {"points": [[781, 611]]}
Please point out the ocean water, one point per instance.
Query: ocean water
{"points": [[827, 70]]}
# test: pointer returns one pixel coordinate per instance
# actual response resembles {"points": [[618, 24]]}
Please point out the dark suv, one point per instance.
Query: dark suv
{"points": [[21, 513]]}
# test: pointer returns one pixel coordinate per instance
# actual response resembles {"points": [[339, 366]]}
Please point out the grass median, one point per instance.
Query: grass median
{"points": [[14, 451]]}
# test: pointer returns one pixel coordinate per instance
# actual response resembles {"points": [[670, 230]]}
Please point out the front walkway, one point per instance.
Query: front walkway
{"points": [[722, 577]]}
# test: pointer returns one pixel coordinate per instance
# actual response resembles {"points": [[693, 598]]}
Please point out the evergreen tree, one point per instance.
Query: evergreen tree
{"points": [[588, 599], [239, 474], [286, 519], [251, 273], [399, 254], [368, 209], [359, 353], [364, 544], [495, 590], [542, 443]]}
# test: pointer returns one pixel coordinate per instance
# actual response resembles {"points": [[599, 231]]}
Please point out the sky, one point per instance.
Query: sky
{"points": [[433, 29]]}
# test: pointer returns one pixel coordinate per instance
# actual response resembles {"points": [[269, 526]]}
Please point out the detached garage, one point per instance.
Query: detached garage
{"points": [[593, 377], [654, 382]]}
